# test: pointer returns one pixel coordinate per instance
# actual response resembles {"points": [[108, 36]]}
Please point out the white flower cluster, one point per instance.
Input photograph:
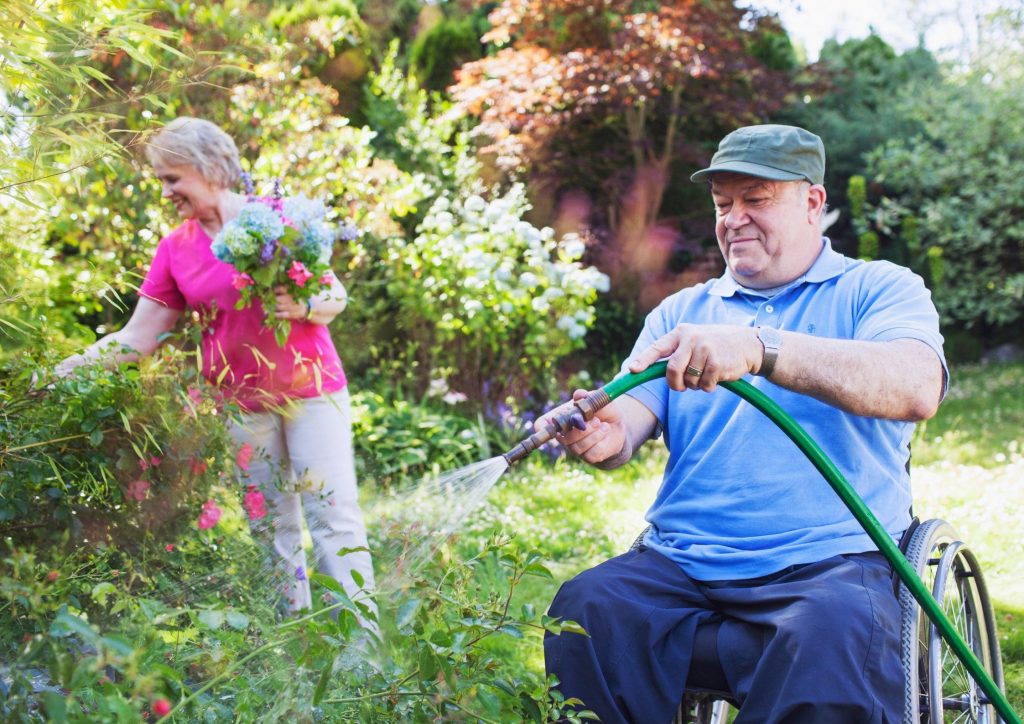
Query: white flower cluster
{"points": [[485, 255]]}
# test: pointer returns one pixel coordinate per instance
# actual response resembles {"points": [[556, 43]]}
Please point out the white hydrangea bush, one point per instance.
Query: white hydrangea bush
{"points": [[498, 294]]}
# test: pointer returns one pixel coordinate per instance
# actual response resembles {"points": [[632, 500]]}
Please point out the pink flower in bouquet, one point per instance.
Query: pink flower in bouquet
{"points": [[254, 503], [326, 279], [244, 456], [241, 281], [210, 516], [299, 274], [137, 490]]}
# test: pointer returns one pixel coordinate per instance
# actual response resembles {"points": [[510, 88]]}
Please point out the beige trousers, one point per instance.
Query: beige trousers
{"points": [[303, 464]]}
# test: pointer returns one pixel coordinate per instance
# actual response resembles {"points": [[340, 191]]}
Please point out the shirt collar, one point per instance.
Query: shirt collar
{"points": [[830, 263]]}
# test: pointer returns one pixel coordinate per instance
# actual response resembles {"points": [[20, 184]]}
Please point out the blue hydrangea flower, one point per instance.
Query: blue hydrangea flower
{"points": [[261, 221], [238, 239], [302, 211], [221, 250]]}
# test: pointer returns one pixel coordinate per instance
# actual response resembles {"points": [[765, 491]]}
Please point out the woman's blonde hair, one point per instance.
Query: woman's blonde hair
{"points": [[187, 141]]}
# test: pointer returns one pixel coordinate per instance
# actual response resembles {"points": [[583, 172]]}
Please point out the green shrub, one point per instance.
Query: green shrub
{"points": [[399, 441], [488, 299], [959, 182], [112, 455], [436, 54]]}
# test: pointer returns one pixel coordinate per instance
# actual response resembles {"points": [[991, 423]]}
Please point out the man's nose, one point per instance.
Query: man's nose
{"points": [[736, 217]]}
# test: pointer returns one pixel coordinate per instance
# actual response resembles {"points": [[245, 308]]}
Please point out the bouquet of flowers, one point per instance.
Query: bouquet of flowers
{"points": [[278, 243]]}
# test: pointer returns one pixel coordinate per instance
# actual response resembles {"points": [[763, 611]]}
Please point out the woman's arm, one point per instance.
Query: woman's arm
{"points": [[138, 338], [322, 308]]}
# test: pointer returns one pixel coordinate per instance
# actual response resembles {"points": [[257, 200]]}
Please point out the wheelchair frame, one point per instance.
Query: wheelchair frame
{"points": [[936, 680]]}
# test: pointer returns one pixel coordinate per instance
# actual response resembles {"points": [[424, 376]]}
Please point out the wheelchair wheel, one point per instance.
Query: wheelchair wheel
{"points": [[939, 687], [701, 708]]}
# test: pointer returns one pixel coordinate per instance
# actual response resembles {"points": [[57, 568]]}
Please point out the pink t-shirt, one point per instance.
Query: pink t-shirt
{"points": [[240, 354]]}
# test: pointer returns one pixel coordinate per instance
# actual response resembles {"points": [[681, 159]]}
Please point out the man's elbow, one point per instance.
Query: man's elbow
{"points": [[924, 401], [922, 407]]}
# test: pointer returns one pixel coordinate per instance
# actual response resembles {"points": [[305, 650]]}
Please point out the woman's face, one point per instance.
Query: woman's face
{"points": [[189, 191]]}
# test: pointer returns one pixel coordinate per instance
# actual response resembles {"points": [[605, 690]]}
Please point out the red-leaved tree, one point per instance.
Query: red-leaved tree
{"points": [[609, 104]]}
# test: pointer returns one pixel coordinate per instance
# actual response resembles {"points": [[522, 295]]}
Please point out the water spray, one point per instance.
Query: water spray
{"points": [[585, 408]]}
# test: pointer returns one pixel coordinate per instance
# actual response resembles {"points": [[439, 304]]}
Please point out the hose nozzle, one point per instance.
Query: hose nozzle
{"points": [[576, 417]]}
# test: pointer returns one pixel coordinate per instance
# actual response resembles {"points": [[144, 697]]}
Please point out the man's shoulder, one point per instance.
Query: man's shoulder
{"points": [[875, 271]]}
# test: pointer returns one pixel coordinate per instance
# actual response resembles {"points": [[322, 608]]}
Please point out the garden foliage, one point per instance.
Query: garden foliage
{"points": [[949, 203], [491, 213]]}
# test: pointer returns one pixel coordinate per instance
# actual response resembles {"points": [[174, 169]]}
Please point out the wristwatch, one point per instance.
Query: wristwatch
{"points": [[772, 341]]}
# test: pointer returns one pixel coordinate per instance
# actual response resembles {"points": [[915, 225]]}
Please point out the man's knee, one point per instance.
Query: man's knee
{"points": [[580, 598]]}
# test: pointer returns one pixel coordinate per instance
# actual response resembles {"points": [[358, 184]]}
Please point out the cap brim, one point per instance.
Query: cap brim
{"points": [[747, 169]]}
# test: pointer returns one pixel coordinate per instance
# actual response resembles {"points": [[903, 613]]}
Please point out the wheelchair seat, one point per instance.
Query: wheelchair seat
{"points": [[937, 683]]}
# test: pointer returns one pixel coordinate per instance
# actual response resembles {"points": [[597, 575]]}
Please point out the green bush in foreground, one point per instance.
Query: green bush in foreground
{"points": [[112, 455]]}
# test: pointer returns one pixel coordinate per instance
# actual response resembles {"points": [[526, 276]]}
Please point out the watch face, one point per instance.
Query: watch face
{"points": [[770, 336]]}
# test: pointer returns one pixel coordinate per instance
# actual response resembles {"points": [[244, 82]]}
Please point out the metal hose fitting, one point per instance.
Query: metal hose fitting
{"points": [[576, 417]]}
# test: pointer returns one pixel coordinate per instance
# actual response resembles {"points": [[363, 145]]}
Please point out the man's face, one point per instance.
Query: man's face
{"points": [[768, 231]]}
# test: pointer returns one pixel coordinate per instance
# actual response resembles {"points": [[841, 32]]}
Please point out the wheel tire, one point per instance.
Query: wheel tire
{"points": [[701, 708], [936, 679]]}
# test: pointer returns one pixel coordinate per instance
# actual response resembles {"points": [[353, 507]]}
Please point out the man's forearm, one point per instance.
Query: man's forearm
{"points": [[901, 379]]}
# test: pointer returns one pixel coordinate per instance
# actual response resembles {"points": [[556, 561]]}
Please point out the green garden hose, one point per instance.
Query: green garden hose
{"points": [[586, 407]]}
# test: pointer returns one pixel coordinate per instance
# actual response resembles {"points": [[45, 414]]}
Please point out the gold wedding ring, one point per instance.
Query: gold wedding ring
{"points": [[691, 370]]}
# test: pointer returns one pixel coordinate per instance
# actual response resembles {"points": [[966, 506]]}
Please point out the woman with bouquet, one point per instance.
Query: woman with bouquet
{"points": [[265, 343]]}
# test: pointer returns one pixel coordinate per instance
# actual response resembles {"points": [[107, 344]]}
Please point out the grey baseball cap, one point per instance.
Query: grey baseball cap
{"points": [[780, 153]]}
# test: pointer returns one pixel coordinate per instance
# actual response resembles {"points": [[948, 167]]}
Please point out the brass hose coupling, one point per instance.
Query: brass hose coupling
{"points": [[576, 417]]}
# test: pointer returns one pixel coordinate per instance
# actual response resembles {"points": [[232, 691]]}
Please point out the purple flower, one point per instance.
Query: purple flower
{"points": [[300, 573], [247, 183], [267, 252], [348, 231]]}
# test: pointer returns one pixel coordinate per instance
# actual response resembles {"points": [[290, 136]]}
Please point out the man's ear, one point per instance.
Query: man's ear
{"points": [[816, 198]]}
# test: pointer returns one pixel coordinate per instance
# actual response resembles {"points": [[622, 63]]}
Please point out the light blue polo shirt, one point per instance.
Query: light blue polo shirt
{"points": [[739, 499]]}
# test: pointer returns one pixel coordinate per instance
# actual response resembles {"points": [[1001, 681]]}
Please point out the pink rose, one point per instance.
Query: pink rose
{"points": [[254, 503], [299, 274], [137, 490], [244, 456], [210, 516], [241, 281]]}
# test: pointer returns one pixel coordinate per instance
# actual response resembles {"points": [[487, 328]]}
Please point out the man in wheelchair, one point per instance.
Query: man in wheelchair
{"points": [[749, 551]]}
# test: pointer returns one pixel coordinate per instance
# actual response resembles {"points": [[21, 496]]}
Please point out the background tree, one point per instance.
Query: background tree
{"points": [[855, 99], [604, 106]]}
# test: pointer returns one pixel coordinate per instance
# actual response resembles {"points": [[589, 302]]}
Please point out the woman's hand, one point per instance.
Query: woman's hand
{"points": [[322, 308], [289, 308]]}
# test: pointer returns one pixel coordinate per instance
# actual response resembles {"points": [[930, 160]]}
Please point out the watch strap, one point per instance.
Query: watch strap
{"points": [[771, 340]]}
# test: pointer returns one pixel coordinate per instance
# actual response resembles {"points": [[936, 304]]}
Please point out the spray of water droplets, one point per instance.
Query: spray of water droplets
{"points": [[424, 517]]}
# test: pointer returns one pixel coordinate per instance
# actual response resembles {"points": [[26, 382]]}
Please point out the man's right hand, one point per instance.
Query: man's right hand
{"points": [[603, 438]]}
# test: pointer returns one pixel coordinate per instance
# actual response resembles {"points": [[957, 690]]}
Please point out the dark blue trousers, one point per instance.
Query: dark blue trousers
{"points": [[814, 643]]}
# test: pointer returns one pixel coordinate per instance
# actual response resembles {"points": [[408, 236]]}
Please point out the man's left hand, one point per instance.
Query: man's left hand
{"points": [[702, 355]]}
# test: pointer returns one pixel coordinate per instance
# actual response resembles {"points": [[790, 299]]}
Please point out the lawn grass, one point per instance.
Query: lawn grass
{"points": [[968, 468]]}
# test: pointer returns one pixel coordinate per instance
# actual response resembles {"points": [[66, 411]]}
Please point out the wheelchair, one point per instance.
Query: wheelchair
{"points": [[938, 687]]}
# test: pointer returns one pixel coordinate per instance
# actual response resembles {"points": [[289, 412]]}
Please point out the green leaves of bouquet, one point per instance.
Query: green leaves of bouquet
{"points": [[278, 245]]}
